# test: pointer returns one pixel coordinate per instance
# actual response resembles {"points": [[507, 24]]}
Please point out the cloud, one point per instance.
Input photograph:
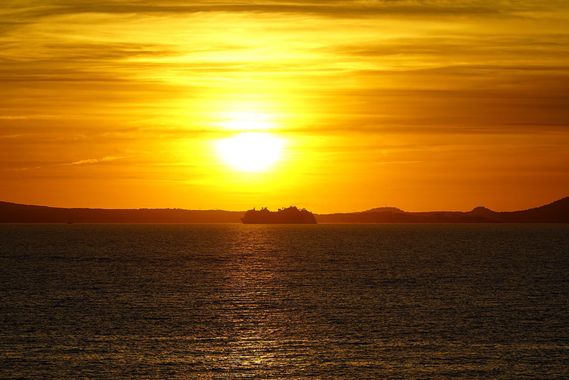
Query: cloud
{"points": [[26, 10], [93, 161], [143, 72]]}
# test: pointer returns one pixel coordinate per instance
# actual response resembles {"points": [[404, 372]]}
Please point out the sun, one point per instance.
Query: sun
{"points": [[251, 151]]}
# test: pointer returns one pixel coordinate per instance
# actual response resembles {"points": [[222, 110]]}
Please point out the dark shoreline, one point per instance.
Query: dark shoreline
{"points": [[556, 212]]}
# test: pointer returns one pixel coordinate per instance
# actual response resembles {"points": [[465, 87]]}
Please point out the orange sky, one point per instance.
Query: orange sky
{"points": [[417, 104]]}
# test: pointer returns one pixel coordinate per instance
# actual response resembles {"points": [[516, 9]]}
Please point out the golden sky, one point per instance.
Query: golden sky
{"points": [[431, 104]]}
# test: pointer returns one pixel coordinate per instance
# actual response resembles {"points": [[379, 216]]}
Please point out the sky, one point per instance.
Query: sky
{"points": [[345, 105]]}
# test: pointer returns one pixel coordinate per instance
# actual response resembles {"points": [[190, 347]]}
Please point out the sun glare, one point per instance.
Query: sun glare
{"points": [[251, 151], [248, 121]]}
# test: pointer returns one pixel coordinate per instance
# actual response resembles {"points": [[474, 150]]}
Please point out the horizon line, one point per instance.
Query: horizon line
{"points": [[255, 207]]}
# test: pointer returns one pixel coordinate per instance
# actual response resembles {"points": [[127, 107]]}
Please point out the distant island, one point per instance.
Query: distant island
{"points": [[556, 212], [18, 213], [290, 215]]}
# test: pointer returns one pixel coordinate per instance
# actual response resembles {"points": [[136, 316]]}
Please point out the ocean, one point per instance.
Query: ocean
{"points": [[275, 301]]}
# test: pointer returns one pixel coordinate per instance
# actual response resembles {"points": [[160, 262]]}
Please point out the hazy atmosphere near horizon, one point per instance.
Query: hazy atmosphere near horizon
{"points": [[331, 105]]}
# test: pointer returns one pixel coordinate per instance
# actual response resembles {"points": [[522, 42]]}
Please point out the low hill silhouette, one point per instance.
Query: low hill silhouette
{"points": [[555, 212], [16, 213], [385, 209]]}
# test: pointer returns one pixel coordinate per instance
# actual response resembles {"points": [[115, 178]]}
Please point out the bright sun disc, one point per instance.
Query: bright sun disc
{"points": [[250, 151]]}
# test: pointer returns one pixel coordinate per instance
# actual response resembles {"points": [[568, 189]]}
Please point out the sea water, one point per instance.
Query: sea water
{"points": [[246, 301]]}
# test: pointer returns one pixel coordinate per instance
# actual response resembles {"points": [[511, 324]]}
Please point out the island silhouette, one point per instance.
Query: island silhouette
{"points": [[555, 212], [289, 215]]}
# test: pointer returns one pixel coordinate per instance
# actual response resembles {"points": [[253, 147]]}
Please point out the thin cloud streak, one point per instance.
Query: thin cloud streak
{"points": [[93, 161], [329, 8]]}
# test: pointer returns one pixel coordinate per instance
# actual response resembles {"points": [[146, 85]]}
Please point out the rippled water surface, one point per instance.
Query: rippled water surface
{"points": [[323, 301]]}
